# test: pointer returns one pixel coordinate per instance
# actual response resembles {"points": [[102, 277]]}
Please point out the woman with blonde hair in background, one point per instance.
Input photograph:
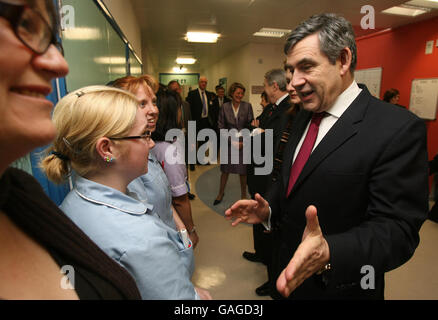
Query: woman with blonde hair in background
{"points": [[103, 135], [154, 186]]}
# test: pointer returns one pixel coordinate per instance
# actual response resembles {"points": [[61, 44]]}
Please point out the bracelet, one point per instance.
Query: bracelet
{"points": [[193, 230]]}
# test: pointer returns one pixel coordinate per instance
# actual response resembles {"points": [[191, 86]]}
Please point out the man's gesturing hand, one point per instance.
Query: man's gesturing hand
{"points": [[311, 256], [249, 211]]}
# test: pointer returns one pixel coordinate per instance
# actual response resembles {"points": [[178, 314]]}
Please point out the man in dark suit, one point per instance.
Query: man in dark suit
{"points": [[218, 101], [352, 209], [186, 116], [275, 85], [201, 102]]}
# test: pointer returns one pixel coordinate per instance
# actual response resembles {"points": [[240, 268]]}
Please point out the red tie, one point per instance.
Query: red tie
{"points": [[305, 151]]}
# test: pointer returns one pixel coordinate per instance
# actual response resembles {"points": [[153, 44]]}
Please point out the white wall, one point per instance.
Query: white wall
{"points": [[123, 13], [247, 65]]}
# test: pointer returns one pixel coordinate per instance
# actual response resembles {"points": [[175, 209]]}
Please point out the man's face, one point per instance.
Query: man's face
{"points": [[202, 83], [270, 91], [318, 82], [220, 92]]}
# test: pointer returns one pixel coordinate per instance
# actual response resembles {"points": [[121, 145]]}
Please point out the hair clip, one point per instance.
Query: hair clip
{"points": [[79, 94], [67, 143]]}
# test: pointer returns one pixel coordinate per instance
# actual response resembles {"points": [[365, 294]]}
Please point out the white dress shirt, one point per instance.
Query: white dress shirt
{"points": [[202, 93], [277, 103], [341, 104]]}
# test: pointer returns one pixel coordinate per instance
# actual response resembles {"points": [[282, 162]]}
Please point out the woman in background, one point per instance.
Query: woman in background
{"points": [[238, 115], [154, 186], [37, 239], [176, 171], [392, 96], [104, 137]]}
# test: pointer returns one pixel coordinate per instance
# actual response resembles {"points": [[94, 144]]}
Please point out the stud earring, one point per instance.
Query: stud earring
{"points": [[108, 159]]}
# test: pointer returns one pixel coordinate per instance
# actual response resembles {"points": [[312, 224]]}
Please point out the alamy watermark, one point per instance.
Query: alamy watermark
{"points": [[68, 280], [368, 21], [368, 281]]}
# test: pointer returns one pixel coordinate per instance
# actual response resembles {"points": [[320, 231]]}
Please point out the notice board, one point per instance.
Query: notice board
{"points": [[424, 98], [372, 78]]}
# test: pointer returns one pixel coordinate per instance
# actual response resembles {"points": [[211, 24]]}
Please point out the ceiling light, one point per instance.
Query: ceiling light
{"points": [[433, 4], [185, 60], [81, 34], [405, 10], [206, 37], [110, 60], [179, 69], [272, 32]]}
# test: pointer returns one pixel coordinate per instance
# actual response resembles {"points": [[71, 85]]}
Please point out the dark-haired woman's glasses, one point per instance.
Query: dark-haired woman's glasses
{"points": [[30, 27], [146, 136]]}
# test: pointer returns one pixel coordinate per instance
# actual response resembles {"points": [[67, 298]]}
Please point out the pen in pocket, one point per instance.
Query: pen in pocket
{"points": [[185, 238]]}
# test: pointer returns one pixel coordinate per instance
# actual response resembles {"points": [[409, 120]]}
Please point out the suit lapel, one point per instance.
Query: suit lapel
{"points": [[279, 110], [345, 128]]}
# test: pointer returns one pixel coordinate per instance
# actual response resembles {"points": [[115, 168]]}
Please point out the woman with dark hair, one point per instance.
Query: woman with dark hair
{"points": [[171, 156], [37, 239], [238, 115], [392, 96]]}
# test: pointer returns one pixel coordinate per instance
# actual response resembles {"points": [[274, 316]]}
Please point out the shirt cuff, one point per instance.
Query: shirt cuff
{"points": [[267, 224]]}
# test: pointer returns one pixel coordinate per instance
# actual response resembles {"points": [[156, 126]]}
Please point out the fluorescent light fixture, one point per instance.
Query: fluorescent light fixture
{"points": [[118, 70], [185, 60], [110, 60], [433, 4], [135, 70], [179, 70], [81, 34], [405, 10], [206, 37], [272, 32]]}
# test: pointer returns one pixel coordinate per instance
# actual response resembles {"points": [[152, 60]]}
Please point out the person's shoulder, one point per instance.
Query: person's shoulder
{"points": [[390, 112]]}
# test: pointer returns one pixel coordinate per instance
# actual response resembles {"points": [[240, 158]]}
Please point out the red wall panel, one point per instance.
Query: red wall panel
{"points": [[401, 54]]}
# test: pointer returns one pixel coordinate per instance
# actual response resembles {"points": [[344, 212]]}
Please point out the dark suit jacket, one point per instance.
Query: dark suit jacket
{"points": [[187, 114], [368, 179], [195, 101], [275, 119], [215, 110]]}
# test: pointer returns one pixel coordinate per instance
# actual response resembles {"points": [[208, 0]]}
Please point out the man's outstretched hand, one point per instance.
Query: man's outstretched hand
{"points": [[248, 211], [310, 257]]}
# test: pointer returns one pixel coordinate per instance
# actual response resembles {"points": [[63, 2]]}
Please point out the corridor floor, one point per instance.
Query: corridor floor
{"points": [[222, 270]]}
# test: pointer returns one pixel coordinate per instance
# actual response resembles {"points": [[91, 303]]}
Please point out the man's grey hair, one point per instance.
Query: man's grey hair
{"points": [[278, 76], [334, 32]]}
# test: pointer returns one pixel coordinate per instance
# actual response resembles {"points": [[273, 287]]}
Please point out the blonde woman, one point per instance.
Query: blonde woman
{"points": [[103, 136]]}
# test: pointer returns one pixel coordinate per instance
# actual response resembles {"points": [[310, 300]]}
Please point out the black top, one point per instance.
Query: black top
{"points": [[97, 276]]}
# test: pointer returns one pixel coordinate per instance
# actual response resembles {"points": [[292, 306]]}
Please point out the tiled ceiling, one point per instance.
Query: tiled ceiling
{"points": [[164, 23]]}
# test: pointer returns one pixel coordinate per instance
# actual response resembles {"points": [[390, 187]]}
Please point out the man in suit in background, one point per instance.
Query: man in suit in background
{"points": [[186, 116], [185, 106], [353, 190], [218, 101], [201, 102], [275, 85]]}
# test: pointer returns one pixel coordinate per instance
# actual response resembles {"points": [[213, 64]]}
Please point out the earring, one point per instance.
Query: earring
{"points": [[108, 159]]}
